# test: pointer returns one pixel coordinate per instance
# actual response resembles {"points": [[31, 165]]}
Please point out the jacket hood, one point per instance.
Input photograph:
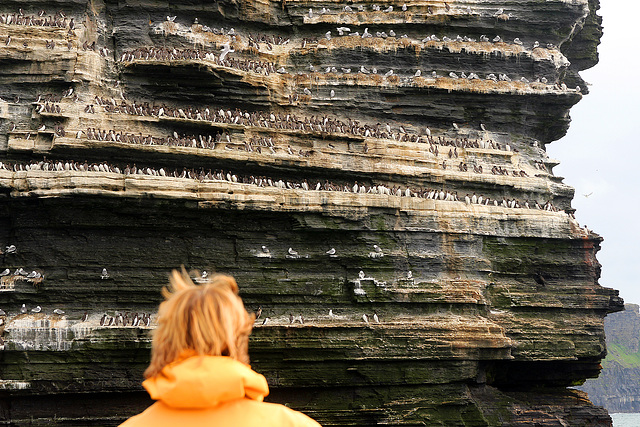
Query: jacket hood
{"points": [[205, 381]]}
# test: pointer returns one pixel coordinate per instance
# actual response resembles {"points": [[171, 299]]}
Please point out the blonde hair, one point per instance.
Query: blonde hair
{"points": [[208, 319]]}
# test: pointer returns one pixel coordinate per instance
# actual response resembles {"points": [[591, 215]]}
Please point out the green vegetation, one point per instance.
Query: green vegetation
{"points": [[622, 355]]}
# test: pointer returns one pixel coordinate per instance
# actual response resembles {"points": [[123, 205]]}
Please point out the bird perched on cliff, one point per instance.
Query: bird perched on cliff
{"points": [[85, 316], [58, 312], [375, 317], [404, 7], [23, 309], [6, 272], [266, 320], [105, 274], [37, 309], [377, 248], [306, 91], [332, 94], [365, 318], [388, 73], [499, 12], [171, 18], [2, 313], [292, 253], [265, 250], [361, 274], [409, 275], [389, 9], [258, 312], [226, 49], [34, 275], [331, 251], [342, 30]]}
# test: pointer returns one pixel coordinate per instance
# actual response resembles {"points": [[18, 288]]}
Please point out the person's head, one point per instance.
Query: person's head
{"points": [[208, 319]]}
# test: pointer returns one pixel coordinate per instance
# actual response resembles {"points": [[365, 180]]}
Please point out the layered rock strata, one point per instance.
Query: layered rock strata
{"points": [[375, 177]]}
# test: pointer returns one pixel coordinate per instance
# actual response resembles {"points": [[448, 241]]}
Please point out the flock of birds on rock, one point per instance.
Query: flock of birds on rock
{"points": [[126, 319], [266, 67], [263, 181], [271, 120], [41, 19], [301, 319], [167, 54], [23, 274]]}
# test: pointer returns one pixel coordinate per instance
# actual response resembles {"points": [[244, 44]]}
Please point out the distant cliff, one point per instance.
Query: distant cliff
{"points": [[618, 387]]}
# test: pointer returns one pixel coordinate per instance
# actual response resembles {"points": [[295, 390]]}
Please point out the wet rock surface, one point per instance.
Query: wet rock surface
{"points": [[385, 198]]}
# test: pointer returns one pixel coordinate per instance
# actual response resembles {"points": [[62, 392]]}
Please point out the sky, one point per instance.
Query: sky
{"points": [[599, 155]]}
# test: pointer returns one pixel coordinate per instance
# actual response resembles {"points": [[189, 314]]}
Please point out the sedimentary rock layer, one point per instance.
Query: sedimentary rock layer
{"points": [[383, 197]]}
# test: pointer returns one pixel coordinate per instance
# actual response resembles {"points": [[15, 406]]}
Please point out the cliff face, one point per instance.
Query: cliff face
{"points": [[618, 386], [382, 194]]}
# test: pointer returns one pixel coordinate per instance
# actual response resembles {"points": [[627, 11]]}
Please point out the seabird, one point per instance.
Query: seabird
{"points": [[42, 128], [342, 30], [32, 275], [377, 248], [361, 274], [418, 73], [496, 39], [259, 312], [37, 309], [306, 91], [171, 18], [85, 316], [2, 312], [404, 7], [105, 274], [292, 252], [266, 319], [332, 94], [499, 12], [331, 251], [23, 309], [58, 312], [409, 275], [327, 35], [365, 318], [517, 41], [6, 272], [388, 73], [226, 48], [265, 249], [375, 317], [389, 9]]}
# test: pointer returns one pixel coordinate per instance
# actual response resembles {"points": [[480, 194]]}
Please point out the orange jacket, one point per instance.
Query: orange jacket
{"points": [[213, 391]]}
